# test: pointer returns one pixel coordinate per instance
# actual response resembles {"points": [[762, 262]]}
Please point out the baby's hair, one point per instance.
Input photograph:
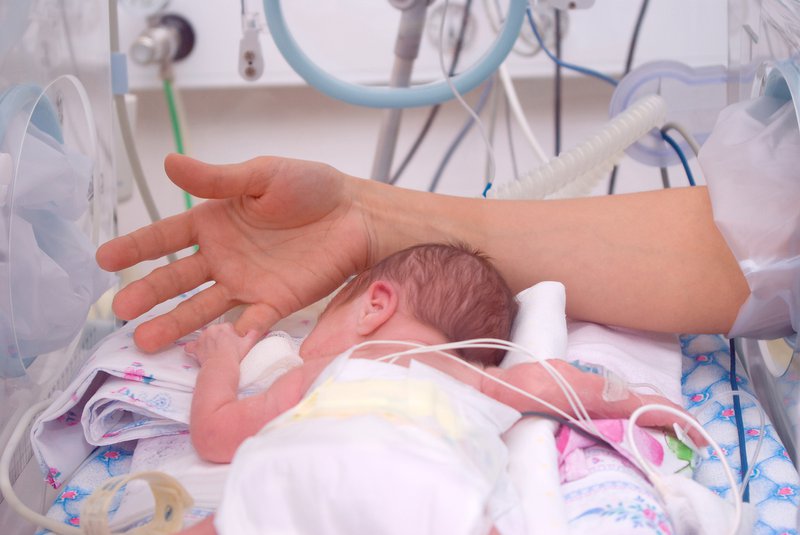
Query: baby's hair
{"points": [[453, 288]]}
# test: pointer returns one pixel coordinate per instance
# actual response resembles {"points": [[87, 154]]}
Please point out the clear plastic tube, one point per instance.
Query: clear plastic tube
{"points": [[583, 185], [625, 129]]}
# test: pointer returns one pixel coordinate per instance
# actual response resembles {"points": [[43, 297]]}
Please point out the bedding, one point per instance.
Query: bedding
{"points": [[705, 382], [704, 364]]}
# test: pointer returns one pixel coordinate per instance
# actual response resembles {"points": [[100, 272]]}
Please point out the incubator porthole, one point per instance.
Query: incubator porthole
{"points": [[777, 355], [49, 230]]}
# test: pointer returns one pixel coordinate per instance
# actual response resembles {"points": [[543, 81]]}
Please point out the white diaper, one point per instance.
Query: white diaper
{"points": [[376, 448]]}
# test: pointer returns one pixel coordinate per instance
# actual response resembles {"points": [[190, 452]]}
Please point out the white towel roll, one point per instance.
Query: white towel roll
{"points": [[541, 324]]}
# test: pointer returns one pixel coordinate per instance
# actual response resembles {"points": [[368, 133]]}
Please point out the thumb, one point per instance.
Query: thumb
{"points": [[210, 181]]}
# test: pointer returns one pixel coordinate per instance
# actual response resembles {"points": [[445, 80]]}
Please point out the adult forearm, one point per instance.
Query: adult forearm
{"points": [[652, 260]]}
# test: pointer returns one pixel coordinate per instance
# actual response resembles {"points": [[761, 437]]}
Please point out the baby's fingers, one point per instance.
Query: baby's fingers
{"points": [[191, 348]]}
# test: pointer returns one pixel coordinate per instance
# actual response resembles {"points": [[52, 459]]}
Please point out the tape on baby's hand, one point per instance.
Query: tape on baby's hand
{"points": [[170, 499]]}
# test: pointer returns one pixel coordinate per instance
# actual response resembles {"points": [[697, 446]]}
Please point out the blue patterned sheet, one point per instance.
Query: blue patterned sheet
{"points": [[774, 485], [105, 462]]}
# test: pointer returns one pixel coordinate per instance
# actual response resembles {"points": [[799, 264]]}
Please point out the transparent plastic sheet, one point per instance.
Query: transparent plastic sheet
{"points": [[46, 256], [751, 163]]}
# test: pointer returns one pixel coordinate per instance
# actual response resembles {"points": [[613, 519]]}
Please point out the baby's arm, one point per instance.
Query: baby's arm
{"points": [[534, 379], [220, 421]]}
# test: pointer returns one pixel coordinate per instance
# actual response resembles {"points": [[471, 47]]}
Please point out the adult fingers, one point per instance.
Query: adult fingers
{"points": [[159, 285], [211, 181], [258, 317], [148, 243], [188, 316]]}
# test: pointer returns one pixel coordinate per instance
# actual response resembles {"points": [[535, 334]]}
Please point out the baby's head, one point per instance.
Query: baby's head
{"points": [[451, 290]]}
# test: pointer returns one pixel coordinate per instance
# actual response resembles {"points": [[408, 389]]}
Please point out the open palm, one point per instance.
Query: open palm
{"points": [[277, 235]]}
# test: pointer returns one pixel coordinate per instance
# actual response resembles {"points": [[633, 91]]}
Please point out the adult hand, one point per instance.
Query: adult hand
{"points": [[277, 235]]}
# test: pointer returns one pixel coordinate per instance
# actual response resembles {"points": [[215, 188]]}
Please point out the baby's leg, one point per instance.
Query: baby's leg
{"points": [[204, 527]]}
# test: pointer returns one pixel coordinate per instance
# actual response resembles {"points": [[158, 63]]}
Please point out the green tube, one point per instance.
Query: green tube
{"points": [[176, 129]]}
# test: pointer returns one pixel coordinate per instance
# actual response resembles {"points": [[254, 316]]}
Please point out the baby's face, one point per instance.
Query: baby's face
{"points": [[334, 333]]}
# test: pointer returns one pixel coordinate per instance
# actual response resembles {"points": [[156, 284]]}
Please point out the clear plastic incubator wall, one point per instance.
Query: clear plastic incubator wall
{"points": [[57, 199]]}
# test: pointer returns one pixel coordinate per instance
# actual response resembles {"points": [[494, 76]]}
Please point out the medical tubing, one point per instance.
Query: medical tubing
{"points": [[493, 11], [489, 178], [434, 110], [583, 185], [762, 429], [490, 343], [558, 61], [386, 97], [664, 177], [566, 423], [462, 133], [136, 163], [176, 129], [516, 108], [510, 137], [751, 464], [612, 180], [672, 143], [655, 479], [127, 131], [492, 130], [7, 489], [173, 116], [690, 140], [737, 415], [612, 139], [581, 415]]}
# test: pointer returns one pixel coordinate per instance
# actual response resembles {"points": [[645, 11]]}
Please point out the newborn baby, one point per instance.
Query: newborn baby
{"points": [[348, 444]]}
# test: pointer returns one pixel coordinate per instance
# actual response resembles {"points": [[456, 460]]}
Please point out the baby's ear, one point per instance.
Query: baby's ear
{"points": [[378, 305]]}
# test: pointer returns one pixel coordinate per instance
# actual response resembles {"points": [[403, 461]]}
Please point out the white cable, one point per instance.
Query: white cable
{"points": [[654, 477], [617, 135], [493, 13], [490, 343], [519, 115], [478, 122], [581, 417], [5, 481]]}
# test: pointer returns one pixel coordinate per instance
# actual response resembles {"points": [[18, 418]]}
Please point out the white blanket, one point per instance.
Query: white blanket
{"points": [[123, 394]]}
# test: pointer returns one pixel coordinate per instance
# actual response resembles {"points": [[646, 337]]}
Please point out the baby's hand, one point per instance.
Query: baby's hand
{"points": [[664, 420], [221, 341]]}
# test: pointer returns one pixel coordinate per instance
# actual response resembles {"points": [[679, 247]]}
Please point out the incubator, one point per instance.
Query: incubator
{"points": [[58, 81], [57, 198]]}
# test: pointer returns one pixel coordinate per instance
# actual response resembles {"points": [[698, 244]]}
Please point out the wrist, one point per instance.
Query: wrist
{"points": [[227, 361], [397, 218]]}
